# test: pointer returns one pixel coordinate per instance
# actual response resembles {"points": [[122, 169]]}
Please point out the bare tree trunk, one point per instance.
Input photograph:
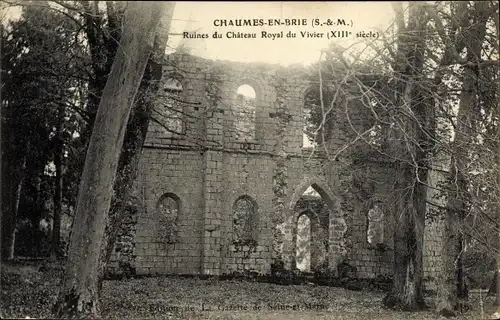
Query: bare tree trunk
{"points": [[409, 210], [407, 291], [452, 284], [497, 300], [11, 195], [1, 158], [496, 314], [413, 146], [135, 136], [495, 286], [79, 296], [58, 159], [56, 222]]}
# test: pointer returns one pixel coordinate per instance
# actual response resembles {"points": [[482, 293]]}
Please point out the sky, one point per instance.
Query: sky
{"points": [[365, 16], [190, 16]]}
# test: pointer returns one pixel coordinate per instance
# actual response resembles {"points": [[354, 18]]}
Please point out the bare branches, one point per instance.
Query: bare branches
{"points": [[399, 13], [416, 107], [43, 4]]}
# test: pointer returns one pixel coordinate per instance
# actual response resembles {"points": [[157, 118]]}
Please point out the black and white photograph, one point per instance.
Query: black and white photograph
{"points": [[249, 160]]}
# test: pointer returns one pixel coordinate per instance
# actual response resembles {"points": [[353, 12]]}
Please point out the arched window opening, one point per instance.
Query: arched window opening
{"points": [[303, 252], [316, 114], [310, 114], [171, 114], [312, 193], [168, 208], [312, 201], [244, 220], [375, 233], [245, 113], [311, 229], [309, 132]]}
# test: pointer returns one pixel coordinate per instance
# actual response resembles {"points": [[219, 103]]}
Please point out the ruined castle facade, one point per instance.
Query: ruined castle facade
{"points": [[215, 195]]}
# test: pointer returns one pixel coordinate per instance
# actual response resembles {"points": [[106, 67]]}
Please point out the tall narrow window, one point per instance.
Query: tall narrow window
{"points": [[168, 208], [244, 220], [303, 243], [170, 115], [309, 129], [317, 115], [244, 113], [308, 135], [375, 233]]}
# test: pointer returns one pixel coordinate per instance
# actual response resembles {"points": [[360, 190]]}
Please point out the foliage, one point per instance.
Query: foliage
{"points": [[40, 76], [66, 49], [318, 113], [52, 60], [433, 107]]}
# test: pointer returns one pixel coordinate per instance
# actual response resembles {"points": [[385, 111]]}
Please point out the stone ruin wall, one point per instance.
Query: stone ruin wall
{"points": [[206, 170]]}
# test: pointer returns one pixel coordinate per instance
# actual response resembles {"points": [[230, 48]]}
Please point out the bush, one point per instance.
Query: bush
{"points": [[31, 241]]}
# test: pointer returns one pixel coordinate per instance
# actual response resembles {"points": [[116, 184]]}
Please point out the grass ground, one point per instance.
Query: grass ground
{"points": [[27, 290]]}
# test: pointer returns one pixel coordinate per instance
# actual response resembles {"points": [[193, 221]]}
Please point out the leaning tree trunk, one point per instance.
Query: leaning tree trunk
{"points": [[128, 167], [135, 136], [79, 294]]}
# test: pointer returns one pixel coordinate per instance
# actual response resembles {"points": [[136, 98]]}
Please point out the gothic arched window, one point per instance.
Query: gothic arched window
{"points": [[168, 208], [170, 115], [303, 243], [244, 220], [375, 233], [317, 114], [245, 113]]}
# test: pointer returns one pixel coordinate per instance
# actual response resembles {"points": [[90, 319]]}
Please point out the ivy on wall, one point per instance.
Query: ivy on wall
{"points": [[280, 178]]}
